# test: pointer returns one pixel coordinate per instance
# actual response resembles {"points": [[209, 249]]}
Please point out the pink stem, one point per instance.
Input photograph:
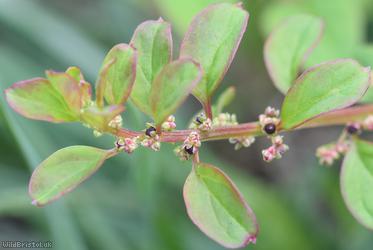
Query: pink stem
{"points": [[338, 117]]}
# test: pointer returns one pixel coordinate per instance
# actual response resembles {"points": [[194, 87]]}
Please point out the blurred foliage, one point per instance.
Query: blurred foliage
{"points": [[135, 202]]}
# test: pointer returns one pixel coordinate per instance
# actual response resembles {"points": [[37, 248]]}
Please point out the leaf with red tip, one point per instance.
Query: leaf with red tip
{"points": [[172, 86], [75, 73], [217, 207], [99, 118], [84, 86], [212, 40], [323, 88], [117, 74], [357, 182], [38, 99], [68, 87], [153, 41], [85, 93], [61, 172], [288, 46]]}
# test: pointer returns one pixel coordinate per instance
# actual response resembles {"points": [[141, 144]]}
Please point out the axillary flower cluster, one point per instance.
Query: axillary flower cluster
{"points": [[202, 125], [333, 151], [269, 122]]}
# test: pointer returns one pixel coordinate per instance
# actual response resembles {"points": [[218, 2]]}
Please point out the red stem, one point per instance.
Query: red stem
{"points": [[338, 117], [207, 108]]}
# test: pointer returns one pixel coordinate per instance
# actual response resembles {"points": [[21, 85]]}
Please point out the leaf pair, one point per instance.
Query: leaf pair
{"points": [[323, 88], [161, 85], [212, 40], [213, 202], [59, 98]]}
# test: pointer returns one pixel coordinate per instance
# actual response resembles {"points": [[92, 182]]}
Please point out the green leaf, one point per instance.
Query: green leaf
{"points": [[64, 170], [68, 87], [84, 86], [38, 99], [75, 73], [212, 40], [365, 55], [153, 41], [182, 12], [348, 14], [117, 74], [216, 206], [288, 46], [172, 86], [323, 88], [86, 93], [357, 182], [99, 118]]}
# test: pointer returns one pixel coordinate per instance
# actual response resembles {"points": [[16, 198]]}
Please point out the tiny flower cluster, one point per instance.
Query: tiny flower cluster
{"points": [[327, 154], [169, 124], [116, 122], [189, 147], [224, 119], [151, 138], [127, 144], [269, 120], [201, 123], [356, 128], [276, 150], [242, 142]]}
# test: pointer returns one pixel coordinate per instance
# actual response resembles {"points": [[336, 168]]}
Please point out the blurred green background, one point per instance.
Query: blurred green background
{"points": [[135, 202]]}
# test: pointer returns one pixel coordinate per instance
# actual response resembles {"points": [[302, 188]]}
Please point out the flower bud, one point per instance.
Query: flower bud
{"points": [[242, 142], [368, 123], [202, 123], [116, 122], [169, 124], [275, 151], [127, 144], [327, 154], [225, 119]]}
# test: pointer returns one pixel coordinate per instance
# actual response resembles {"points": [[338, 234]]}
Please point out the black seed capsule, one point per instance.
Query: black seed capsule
{"points": [[149, 131], [270, 128], [352, 129], [189, 150], [198, 120]]}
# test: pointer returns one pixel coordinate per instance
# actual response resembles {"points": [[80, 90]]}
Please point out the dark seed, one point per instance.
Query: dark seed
{"points": [[270, 128], [189, 150], [351, 129], [149, 131], [198, 120]]}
